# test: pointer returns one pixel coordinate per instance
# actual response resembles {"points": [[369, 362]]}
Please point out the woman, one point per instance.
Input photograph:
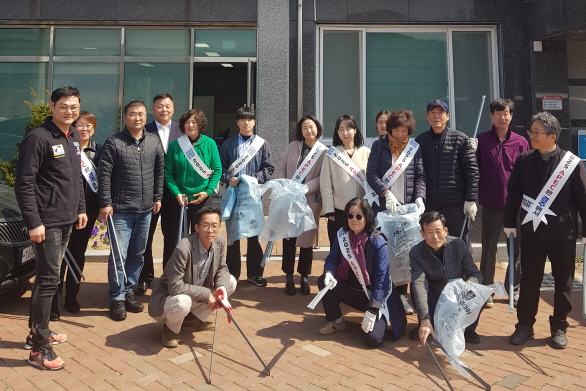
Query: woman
{"points": [[381, 127], [86, 126], [407, 185], [307, 147], [362, 274], [195, 176], [337, 185]]}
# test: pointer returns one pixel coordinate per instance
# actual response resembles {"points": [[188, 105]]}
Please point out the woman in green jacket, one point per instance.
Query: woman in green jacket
{"points": [[192, 164]]}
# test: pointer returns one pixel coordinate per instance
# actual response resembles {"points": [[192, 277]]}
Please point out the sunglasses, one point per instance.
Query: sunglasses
{"points": [[351, 216]]}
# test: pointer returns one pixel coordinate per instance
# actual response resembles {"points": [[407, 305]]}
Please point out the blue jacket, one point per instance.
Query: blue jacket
{"points": [[260, 166], [377, 265]]}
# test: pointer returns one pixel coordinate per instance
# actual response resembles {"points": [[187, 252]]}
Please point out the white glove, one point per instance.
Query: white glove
{"points": [[471, 208], [509, 231], [330, 278], [420, 205], [368, 321], [224, 292], [474, 143], [583, 242], [391, 203]]}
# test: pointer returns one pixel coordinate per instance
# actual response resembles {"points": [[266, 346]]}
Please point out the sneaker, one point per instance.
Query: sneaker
{"points": [[472, 337], [54, 339], [258, 281], [168, 338], [489, 303], [131, 304], [304, 286], [406, 305], [117, 310], [559, 339], [414, 334], [332, 327], [521, 335], [46, 358]]}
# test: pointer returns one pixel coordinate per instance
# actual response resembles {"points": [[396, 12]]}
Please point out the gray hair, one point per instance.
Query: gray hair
{"points": [[549, 122]]}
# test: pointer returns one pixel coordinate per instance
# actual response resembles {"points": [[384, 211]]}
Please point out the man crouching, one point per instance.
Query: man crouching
{"points": [[185, 294]]}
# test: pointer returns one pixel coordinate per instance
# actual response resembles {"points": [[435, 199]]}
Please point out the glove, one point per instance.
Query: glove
{"points": [[306, 189], [330, 278], [420, 205], [509, 231], [583, 242], [471, 209], [368, 321], [474, 143], [222, 300], [391, 203]]}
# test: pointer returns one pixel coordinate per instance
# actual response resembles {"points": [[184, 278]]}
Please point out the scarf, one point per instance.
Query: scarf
{"points": [[397, 146], [357, 243]]}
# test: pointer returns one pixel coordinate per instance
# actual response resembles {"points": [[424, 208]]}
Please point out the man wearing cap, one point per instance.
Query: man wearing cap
{"points": [[450, 167]]}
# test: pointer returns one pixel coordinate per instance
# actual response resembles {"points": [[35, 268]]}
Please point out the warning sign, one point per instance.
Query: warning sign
{"points": [[552, 102]]}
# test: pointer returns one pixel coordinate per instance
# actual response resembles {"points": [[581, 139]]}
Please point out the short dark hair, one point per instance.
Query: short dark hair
{"points": [[299, 132], [89, 116], [200, 118], [245, 112], [549, 122], [351, 123], [430, 217], [401, 118], [65, 91], [134, 103], [162, 96], [501, 104], [206, 210], [366, 210], [381, 113]]}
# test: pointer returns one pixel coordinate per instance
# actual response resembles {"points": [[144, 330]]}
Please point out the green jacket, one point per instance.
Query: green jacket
{"points": [[180, 176]]}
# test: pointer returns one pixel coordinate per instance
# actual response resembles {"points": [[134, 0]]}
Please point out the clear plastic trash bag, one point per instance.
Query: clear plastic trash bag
{"points": [[242, 209]]}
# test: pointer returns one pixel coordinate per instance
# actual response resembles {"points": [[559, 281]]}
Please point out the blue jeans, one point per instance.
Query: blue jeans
{"points": [[132, 230]]}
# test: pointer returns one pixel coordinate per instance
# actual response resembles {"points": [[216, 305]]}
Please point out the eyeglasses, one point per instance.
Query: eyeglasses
{"points": [[65, 109], [213, 227], [136, 115], [351, 216], [536, 134], [82, 126]]}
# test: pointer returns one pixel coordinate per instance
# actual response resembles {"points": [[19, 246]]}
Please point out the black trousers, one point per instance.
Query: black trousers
{"points": [[305, 258], [562, 256], [254, 256], [334, 226], [454, 215]]}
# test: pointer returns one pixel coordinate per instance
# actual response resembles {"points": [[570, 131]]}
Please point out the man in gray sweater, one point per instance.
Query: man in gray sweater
{"points": [[435, 260]]}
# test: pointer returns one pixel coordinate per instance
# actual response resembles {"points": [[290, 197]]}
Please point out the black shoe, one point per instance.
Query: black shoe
{"points": [[117, 310], [304, 286], [55, 316], [141, 288], [472, 337], [131, 304], [559, 339], [521, 335], [71, 305], [290, 285], [258, 281], [414, 334]]}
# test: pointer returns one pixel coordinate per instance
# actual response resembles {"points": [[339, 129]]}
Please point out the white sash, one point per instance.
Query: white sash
{"points": [[242, 161], [89, 172], [352, 170], [312, 158], [401, 163], [193, 158], [537, 209]]}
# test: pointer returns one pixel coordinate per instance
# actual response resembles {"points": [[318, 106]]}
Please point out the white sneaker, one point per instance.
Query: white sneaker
{"points": [[407, 306]]}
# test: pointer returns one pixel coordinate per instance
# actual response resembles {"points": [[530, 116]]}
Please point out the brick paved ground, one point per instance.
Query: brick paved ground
{"points": [[105, 355]]}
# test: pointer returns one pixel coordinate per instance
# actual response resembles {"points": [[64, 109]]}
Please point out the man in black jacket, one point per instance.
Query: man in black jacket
{"points": [[131, 173], [550, 186], [49, 190], [450, 168]]}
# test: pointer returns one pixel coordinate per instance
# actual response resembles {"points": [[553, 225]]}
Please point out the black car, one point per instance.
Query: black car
{"points": [[17, 259]]}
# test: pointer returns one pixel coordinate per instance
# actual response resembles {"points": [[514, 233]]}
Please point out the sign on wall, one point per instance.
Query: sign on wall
{"points": [[552, 102]]}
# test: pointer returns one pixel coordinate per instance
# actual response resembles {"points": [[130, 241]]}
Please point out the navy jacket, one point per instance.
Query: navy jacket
{"points": [[260, 166], [175, 133]]}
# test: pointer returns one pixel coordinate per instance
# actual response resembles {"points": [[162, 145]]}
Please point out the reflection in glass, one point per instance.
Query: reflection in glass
{"points": [[157, 43], [225, 43], [24, 42], [87, 42]]}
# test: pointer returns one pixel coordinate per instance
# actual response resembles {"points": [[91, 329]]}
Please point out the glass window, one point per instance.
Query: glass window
{"points": [[87, 42], [98, 85], [16, 81], [341, 77], [24, 42], [225, 43], [404, 71], [157, 43], [142, 81], [472, 79]]}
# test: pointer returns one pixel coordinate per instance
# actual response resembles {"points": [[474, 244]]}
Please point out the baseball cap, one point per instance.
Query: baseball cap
{"points": [[438, 102]]}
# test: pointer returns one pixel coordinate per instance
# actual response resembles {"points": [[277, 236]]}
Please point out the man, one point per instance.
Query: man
{"points": [[49, 191], [450, 168], [130, 188], [550, 186], [192, 278], [251, 155], [496, 154], [167, 130], [435, 260]]}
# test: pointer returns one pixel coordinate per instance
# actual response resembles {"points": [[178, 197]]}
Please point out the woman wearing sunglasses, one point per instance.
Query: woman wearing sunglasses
{"points": [[357, 272]]}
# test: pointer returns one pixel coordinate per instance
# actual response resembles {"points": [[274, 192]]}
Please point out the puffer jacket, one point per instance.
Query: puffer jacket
{"points": [[379, 162], [450, 168], [131, 175]]}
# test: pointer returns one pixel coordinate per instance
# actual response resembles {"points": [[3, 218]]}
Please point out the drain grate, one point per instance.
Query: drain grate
{"points": [[548, 283]]}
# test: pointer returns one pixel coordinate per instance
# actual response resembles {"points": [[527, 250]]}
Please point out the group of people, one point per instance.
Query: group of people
{"points": [[166, 168]]}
